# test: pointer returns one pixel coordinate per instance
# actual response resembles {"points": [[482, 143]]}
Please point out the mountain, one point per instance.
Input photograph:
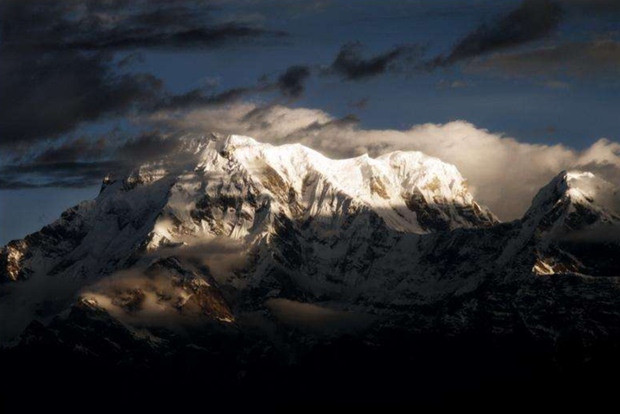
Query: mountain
{"points": [[242, 252], [578, 212], [288, 208], [573, 201]]}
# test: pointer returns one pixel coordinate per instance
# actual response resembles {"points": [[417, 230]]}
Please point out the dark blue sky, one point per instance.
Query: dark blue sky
{"points": [[540, 71], [549, 108]]}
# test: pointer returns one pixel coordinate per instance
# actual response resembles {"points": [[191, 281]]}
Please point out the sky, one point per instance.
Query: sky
{"points": [[511, 92]]}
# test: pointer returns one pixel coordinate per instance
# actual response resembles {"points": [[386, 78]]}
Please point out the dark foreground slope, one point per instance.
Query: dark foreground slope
{"points": [[389, 367]]}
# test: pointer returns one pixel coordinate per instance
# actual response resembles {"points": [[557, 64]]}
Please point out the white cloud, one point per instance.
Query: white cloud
{"points": [[503, 173]]}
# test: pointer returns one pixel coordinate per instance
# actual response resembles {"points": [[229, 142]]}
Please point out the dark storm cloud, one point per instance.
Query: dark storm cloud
{"points": [[58, 66], [148, 146], [593, 6], [43, 95], [132, 58], [351, 65], [78, 162], [118, 25], [75, 163], [183, 38], [85, 161], [15, 184], [56, 174], [200, 98], [291, 82], [580, 59], [532, 20], [81, 148]]}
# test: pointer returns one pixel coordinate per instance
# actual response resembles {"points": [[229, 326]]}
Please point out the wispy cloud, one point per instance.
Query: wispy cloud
{"points": [[352, 65], [291, 82], [577, 59], [532, 20]]}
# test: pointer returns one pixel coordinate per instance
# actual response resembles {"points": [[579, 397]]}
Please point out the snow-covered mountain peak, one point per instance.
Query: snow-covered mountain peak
{"points": [[415, 168], [400, 172], [587, 187], [288, 205], [581, 187], [574, 200], [411, 191]]}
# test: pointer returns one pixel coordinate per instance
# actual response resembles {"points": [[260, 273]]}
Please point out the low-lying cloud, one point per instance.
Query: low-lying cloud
{"points": [[316, 319], [174, 287], [222, 256]]}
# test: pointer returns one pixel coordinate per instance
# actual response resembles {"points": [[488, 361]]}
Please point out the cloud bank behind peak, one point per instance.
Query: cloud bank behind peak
{"points": [[503, 172]]}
